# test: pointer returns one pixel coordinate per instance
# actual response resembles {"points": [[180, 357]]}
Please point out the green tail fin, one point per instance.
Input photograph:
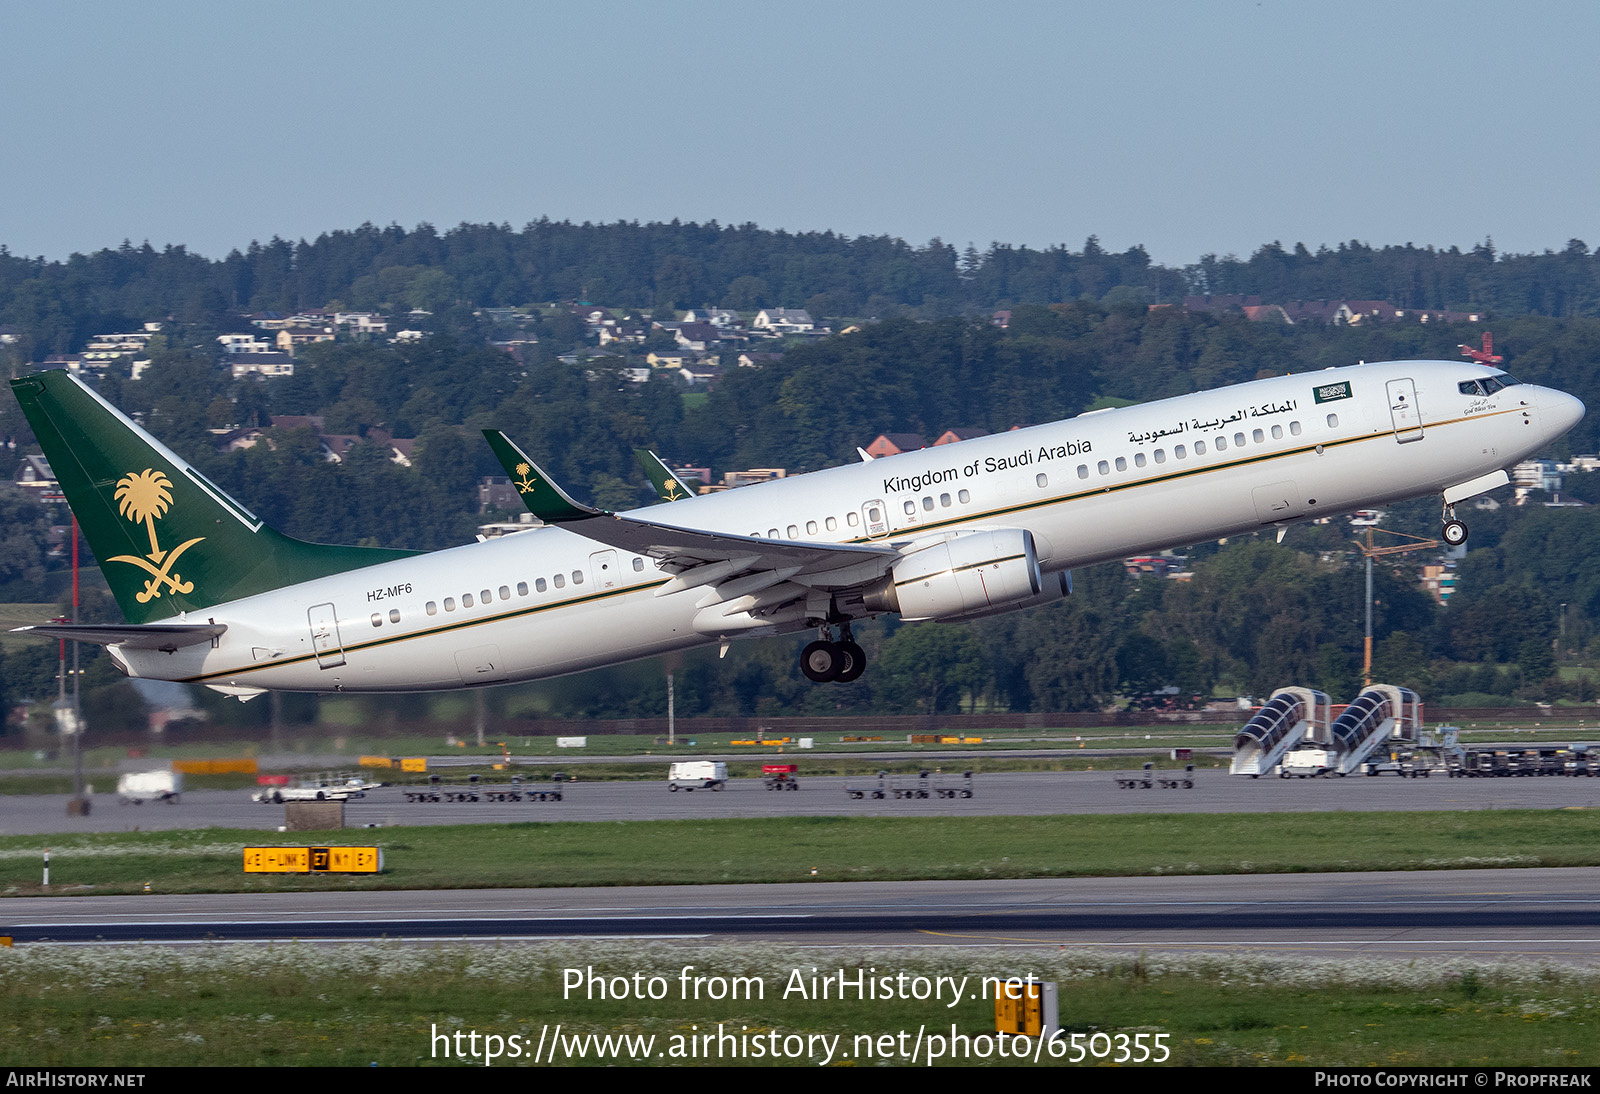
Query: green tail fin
{"points": [[167, 539]]}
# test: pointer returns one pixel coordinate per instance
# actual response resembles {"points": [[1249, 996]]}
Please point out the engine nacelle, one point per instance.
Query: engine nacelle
{"points": [[1057, 586], [969, 573]]}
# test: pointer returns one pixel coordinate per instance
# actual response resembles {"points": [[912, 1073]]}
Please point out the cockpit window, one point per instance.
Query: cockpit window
{"points": [[1488, 385]]}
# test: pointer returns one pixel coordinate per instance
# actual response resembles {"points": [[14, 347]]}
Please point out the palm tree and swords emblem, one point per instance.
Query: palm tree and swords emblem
{"points": [[528, 482], [143, 499]]}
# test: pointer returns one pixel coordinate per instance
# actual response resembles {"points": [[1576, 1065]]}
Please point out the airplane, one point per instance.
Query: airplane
{"points": [[214, 596]]}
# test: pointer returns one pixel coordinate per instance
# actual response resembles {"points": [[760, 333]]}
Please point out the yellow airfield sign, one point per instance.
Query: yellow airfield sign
{"points": [[313, 860]]}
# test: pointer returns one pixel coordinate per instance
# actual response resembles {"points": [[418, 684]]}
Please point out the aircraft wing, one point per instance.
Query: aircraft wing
{"points": [[679, 549], [683, 548], [137, 636]]}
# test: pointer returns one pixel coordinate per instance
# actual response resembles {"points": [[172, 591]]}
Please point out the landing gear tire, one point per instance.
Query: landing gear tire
{"points": [[855, 662], [1453, 533], [822, 661]]}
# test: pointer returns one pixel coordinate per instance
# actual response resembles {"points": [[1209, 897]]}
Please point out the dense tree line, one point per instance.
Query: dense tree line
{"points": [[58, 304]]}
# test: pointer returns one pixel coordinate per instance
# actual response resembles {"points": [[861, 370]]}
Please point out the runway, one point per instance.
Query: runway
{"points": [[1547, 913], [1000, 794]]}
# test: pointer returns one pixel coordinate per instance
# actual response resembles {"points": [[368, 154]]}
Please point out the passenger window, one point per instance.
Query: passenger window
{"points": [[1257, 436], [1222, 444], [1277, 432], [561, 582], [505, 592], [927, 504], [1333, 421], [1199, 448], [466, 600], [449, 603], [485, 597], [1180, 451], [377, 620], [539, 585], [944, 501], [1161, 455], [811, 527], [772, 533], [911, 508], [1103, 467], [638, 565], [1138, 459], [1294, 429], [394, 615], [1043, 481], [831, 524], [964, 496], [1083, 471], [577, 577], [794, 531], [522, 586], [1122, 464], [433, 609]]}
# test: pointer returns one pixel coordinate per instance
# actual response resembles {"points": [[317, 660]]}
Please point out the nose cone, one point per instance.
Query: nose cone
{"points": [[1560, 411]]}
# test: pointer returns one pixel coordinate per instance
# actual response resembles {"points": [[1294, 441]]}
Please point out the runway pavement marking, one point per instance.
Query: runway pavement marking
{"points": [[1316, 944], [313, 923], [812, 910]]}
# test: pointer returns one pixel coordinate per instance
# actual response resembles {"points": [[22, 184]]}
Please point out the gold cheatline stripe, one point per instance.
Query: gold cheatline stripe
{"points": [[373, 643], [966, 519]]}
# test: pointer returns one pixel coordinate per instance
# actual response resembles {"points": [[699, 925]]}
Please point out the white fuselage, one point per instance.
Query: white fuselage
{"points": [[1099, 486]]}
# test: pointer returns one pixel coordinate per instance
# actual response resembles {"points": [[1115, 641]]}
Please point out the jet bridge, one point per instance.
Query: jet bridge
{"points": [[1288, 717], [1379, 714]]}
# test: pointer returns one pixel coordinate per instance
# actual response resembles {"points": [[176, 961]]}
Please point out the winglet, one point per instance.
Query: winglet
{"points": [[668, 486], [544, 498]]}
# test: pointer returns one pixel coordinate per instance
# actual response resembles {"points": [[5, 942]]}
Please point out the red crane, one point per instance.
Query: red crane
{"points": [[1484, 356]]}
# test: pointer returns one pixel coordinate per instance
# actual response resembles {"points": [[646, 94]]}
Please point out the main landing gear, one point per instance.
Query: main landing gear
{"points": [[841, 661], [1454, 532]]}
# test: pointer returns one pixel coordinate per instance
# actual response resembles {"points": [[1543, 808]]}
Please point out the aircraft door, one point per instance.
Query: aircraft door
{"points": [[1403, 410], [603, 570], [875, 516], [325, 640]]}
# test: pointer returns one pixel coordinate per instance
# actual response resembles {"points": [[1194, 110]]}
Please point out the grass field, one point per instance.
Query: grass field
{"points": [[839, 849], [392, 1004]]}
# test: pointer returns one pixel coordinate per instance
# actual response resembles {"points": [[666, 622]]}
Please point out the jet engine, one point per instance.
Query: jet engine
{"points": [[966, 574]]}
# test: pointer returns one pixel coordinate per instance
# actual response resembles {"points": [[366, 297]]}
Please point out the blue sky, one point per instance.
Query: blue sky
{"points": [[1186, 127]]}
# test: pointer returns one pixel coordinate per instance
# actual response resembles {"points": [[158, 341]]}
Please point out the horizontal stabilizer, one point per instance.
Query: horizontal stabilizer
{"points": [[150, 636]]}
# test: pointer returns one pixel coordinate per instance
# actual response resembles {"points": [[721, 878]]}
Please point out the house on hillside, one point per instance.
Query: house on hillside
{"points": [[892, 444]]}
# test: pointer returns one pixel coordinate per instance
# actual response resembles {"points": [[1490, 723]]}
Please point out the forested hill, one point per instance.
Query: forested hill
{"points": [[57, 304]]}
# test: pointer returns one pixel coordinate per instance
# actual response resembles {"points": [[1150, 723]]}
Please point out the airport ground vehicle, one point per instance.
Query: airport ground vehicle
{"points": [[691, 775], [780, 776], [138, 787], [316, 788]]}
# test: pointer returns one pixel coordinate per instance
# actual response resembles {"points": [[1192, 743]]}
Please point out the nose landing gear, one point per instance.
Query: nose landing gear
{"points": [[841, 661]]}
